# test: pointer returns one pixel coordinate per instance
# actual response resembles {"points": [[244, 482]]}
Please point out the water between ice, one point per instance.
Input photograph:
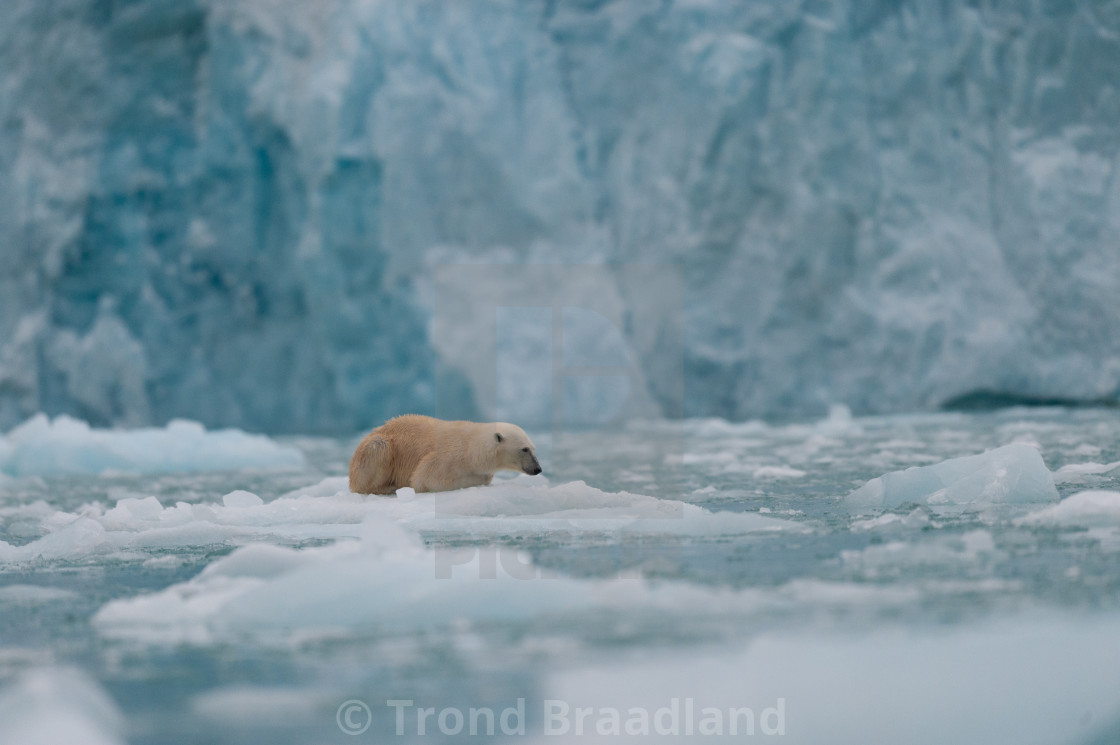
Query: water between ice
{"points": [[927, 578]]}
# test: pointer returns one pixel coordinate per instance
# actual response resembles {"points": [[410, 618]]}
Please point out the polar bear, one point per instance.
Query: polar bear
{"points": [[431, 454]]}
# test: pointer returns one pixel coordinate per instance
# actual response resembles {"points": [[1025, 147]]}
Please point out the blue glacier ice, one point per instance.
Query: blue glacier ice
{"points": [[229, 210]]}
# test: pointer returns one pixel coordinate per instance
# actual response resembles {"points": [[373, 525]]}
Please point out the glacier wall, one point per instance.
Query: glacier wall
{"points": [[227, 209]]}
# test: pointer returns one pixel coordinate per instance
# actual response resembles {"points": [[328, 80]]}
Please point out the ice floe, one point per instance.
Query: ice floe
{"points": [[138, 526], [524, 506], [778, 472], [388, 583], [1090, 508], [385, 582], [915, 519], [44, 447], [1074, 472]]}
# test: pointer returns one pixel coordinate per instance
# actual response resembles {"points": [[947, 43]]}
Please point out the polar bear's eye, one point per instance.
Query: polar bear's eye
{"points": [[498, 436], [524, 450]]}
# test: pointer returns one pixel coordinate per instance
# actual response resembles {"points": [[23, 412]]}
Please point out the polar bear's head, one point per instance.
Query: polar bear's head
{"points": [[515, 451]]}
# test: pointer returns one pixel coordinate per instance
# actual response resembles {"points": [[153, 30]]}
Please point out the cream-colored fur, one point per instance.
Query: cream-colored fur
{"points": [[431, 454]]}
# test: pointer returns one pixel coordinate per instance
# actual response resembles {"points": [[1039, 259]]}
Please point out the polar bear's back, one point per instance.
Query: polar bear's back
{"points": [[419, 434]]}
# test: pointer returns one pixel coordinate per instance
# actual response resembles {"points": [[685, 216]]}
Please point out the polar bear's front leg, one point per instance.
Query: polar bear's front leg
{"points": [[424, 477]]}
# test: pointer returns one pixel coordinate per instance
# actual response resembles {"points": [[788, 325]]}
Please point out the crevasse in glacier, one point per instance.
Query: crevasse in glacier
{"points": [[228, 211]]}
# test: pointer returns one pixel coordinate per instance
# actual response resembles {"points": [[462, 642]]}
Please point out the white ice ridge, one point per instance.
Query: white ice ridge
{"points": [[1013, 473], [139, 526], [48, 706], [42, 447], [1086, 508]]}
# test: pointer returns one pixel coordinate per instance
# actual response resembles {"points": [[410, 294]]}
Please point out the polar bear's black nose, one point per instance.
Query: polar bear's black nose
{"points": [[533, 467]]}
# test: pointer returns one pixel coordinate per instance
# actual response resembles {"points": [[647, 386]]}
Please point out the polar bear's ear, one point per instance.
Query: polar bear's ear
{"points": [[498, 436]]}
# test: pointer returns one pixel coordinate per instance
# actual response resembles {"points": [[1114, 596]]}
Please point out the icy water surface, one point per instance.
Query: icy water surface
{"points": [[714, 565]]}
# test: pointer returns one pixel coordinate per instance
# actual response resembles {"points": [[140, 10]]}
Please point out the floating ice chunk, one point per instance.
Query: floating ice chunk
{"points": [[166, 561], [395, 585], [1086, 449], [242, 498], [190, 608], [1013, 473], [712, 427], [145, 525], [915, 519], [1076, 471], [47, 706], [262, 560], [839, 421], [132, 510], [42, 447], [778, 472], [1086, 508], [1094, 468], [81, 537]]}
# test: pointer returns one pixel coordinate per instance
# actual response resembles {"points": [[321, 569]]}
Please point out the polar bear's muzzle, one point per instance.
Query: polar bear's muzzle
{"points": [[530, 464]]}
